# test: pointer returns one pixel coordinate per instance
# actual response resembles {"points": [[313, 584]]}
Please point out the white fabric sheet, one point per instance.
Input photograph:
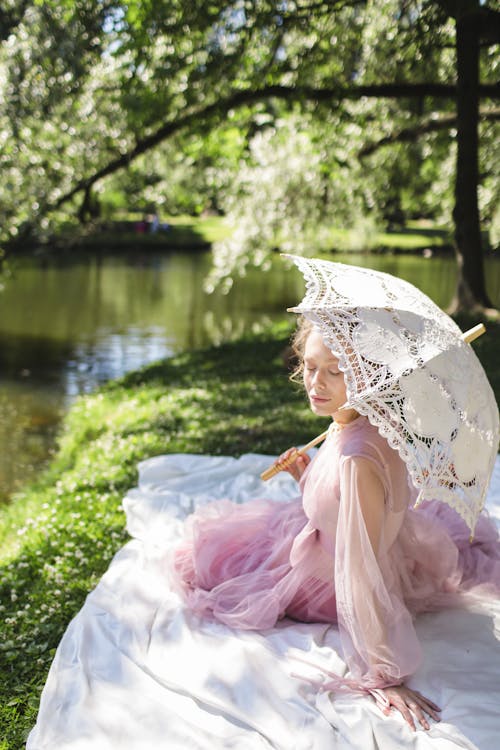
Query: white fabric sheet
{"points": [[135, 671]]}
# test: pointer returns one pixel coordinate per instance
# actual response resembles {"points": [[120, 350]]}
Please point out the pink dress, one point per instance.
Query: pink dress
{"points": [[314, 559]]}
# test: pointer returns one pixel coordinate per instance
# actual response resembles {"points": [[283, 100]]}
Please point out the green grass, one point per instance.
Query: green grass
{"points": [[413, 237], [119, 234], [210, 228], [190, 232], [58, 536]]}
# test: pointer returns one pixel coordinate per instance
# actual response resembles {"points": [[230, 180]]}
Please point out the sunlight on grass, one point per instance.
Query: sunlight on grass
{"points": [[58, 537]]}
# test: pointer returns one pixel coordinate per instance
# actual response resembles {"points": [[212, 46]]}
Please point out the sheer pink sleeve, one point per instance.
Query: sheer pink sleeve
{"points": [[378, 638]]}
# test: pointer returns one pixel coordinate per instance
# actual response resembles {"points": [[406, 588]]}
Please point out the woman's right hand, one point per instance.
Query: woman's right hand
{"points": [[295, 468], [410, 703]]}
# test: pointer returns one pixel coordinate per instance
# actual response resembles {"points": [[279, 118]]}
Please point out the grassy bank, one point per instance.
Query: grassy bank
{"points": [[200, 232], [192, 233], [58, 537], [179, 232]]}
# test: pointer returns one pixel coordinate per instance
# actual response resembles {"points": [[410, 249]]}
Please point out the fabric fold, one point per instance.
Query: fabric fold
{"points": [[139, 671]]}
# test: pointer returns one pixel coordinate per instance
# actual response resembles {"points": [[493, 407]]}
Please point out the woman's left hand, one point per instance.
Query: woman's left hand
{"points": [[298, 465], [410, 703]]}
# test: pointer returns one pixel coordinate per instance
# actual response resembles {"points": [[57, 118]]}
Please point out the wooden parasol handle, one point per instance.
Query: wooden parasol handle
{"points": [[468, 336], [276, 468]]}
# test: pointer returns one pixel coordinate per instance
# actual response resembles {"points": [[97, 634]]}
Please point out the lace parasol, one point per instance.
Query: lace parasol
{"points": [[409, 371]]}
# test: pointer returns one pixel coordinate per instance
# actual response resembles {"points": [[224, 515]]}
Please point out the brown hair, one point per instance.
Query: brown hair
{"points": [[298, 344]]}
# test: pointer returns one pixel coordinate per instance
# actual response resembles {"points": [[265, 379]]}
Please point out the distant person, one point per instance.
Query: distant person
{"points": [[155, 225], [141, 226]]}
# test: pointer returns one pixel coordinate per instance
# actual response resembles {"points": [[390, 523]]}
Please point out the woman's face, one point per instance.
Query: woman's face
{"points": [[324, 382]]}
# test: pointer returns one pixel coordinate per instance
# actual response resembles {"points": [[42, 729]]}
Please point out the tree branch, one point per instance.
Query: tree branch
{"points": [[303, 12], [430, 125], [241, 98], [10, 19]]}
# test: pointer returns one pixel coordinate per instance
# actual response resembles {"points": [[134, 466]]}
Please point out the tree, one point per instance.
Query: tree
{"points": [[159, 71], [473, 24]]}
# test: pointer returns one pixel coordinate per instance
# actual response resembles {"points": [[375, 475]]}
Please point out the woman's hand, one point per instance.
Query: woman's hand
{"points": [[410, 704], [295, 468]]}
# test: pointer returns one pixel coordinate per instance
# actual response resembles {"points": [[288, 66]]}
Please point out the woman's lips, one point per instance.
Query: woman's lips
{"points": [[318, 399]]}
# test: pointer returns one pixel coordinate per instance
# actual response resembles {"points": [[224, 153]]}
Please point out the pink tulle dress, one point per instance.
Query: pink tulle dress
{"points": [[315, 559]]}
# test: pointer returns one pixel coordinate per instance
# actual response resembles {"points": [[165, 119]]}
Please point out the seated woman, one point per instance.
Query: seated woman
{"points": [[350, 551]]}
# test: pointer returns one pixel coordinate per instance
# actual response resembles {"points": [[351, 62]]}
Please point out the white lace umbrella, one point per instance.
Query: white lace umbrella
{"points": [[408, 369]]}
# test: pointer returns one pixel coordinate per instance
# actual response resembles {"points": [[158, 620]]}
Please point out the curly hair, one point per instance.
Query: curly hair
{"points": [[298, 345]]}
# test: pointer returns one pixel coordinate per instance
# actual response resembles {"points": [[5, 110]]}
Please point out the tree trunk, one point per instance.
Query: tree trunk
{"points": [[471, 289]]}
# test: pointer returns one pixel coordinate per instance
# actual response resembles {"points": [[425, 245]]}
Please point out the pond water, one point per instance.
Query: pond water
{"points": [[68, 325]]}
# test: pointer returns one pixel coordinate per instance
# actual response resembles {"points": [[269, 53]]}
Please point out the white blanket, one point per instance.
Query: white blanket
{"points": [[135, 671]]}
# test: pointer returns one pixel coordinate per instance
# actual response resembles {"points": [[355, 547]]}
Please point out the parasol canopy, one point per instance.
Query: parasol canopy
{"points": [[408, 369]]}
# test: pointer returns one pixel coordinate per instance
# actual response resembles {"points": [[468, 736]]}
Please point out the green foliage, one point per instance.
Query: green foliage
{"points": [[84, 81]]}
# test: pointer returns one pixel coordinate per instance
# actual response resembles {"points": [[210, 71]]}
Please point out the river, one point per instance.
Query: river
{"points": [[68, 324]]}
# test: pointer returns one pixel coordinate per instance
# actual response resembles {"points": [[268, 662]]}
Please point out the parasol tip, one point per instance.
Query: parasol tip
{"points": [[474, 333]]}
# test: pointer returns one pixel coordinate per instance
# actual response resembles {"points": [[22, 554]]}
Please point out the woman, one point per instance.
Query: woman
{"points": [[351, 551]]}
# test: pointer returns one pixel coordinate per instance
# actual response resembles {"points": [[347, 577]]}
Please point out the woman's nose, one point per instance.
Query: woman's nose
{"points": [[318, 379]]}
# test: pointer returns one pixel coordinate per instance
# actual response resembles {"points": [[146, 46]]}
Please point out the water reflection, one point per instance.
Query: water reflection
{"points": [[69, 325], [29, 418], [111, 354]]}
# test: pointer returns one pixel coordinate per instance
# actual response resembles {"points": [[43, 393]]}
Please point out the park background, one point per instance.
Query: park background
{"points": [[155, 158]]}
